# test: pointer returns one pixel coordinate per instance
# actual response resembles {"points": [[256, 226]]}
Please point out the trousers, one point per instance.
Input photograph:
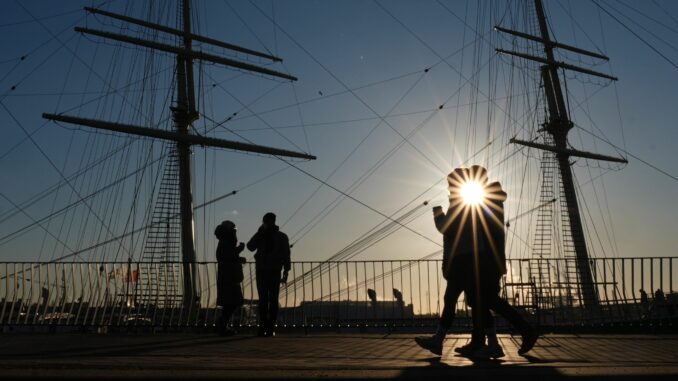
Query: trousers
{"points": [[488, 299], [268, 287], [452, 292]]}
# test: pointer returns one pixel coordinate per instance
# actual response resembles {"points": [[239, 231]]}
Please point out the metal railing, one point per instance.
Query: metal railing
{"points": [[325, 294]]}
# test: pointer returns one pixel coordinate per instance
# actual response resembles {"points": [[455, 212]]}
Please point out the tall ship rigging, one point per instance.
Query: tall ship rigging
{"points": [[128, 206]]}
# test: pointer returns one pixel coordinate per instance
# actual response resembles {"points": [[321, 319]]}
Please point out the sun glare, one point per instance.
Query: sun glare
{"points": [[472, 193]]}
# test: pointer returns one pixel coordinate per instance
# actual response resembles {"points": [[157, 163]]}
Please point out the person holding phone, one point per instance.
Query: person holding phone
{"points": [[272, 259]]}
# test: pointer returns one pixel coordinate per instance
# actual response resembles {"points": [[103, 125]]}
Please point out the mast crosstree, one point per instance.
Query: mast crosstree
{"points": [[184, 113], [558, 125]]}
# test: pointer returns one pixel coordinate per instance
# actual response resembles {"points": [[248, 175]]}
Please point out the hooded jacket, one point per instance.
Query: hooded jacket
{"points": [[228, 259]]}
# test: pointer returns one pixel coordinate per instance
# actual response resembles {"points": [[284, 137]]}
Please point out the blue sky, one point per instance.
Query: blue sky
{"points": [[361, 68]]}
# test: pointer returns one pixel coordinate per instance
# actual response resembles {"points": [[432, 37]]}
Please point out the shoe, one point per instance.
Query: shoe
{"points": [[491, 351], [431, 343], [529, 339], [468, 349]]}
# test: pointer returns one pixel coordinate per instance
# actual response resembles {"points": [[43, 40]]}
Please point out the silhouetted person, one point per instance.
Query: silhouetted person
{"points": [[490, 266], [373, 296], [671, 304], [458, 246], [659, 303], [272, 258], [229, 274], [659, 297], [644, 304], [486, 236], [398, 295]]}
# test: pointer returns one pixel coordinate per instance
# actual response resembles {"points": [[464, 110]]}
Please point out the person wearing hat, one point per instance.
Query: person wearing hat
{"points": [[272, 259], [229, 274]]}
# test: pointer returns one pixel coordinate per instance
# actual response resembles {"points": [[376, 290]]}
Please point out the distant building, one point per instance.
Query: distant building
{"points": [[345, 312]]}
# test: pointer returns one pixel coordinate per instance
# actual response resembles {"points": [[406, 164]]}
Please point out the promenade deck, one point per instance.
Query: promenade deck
{"points": [[328, 355]]}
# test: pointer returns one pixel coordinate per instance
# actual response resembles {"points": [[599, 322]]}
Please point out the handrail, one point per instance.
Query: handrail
{"points": [[334, 293]]}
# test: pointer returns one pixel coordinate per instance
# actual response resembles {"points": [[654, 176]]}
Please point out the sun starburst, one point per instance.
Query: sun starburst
{"points": [[472, 192]]}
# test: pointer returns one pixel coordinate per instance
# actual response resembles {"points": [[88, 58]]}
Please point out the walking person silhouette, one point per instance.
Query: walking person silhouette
{"points": [[229, 274], [489, 267], [458, 248], [271, 259], [474, 261]]}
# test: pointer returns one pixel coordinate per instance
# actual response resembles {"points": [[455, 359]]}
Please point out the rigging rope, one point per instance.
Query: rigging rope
{"points": [[53, 165], [667, 59]]}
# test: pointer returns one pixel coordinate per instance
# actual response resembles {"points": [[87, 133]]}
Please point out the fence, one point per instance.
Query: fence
{"points": [[325, 294]]}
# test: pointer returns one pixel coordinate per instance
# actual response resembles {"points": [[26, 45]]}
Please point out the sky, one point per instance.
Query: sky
{"points": [[391, 96]]}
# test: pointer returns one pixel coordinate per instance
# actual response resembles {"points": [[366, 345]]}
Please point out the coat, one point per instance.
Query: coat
{"points": [[272, 248], [465, 248], [458, 240], [229, 272], [491, 261], [493, 258]]}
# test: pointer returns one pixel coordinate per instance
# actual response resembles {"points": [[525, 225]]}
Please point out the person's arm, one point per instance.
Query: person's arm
{"points": [[253, 243], [439, 219], [239, 248], [443, 222], [286, 254]]}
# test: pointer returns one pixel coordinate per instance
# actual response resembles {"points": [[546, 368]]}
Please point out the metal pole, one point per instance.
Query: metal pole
{"points": [[558, 126], [183, 114]]}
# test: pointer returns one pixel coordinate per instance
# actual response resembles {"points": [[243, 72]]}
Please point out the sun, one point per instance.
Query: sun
{"points": [[472, 193]]}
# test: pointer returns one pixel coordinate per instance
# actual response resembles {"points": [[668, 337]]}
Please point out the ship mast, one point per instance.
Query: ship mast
{"points": [[557, 126], [184, 114]]}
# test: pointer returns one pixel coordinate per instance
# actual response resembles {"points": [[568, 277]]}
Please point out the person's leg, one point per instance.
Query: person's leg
{"points": [[490, 329], [262, 290], [274, 293], [226, 313], [221, 300], [509, 313], [478, 316], [435, 343], [478, 332], [220, 321], [488, 291], [473, 300], [452, 293], [501, 306], [492, 349], [479, 310], [477, 340]]}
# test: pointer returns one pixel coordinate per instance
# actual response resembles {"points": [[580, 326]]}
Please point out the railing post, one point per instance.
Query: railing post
{"points": [[671, 274], [303, 296], [652, 276], [661, 273], [75, 298]]}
